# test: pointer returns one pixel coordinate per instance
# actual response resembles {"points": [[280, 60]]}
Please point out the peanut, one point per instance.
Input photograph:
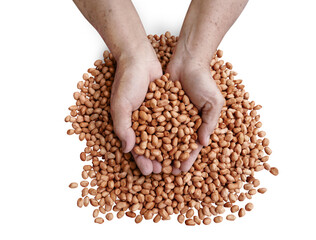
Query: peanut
{"points": [[241, 212], [274, 171], [73, 185], [99, 220], [109, 216], [206, 221], [249, 206], [218, 219], [230, 217], [262, 190]]}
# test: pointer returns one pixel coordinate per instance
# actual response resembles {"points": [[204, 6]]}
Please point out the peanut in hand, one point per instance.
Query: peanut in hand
{"points": [[166, 109]]}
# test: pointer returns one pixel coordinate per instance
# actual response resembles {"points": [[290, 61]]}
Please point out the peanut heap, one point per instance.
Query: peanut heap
{"points": [[221, 178]]}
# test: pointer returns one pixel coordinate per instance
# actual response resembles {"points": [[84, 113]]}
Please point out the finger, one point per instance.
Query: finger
{"points": [[176, 171], [121, 114], [145, 165], [187, 164], [156, 166], [210, 115]]}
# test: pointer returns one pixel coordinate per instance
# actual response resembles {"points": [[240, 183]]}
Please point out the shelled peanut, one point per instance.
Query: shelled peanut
{"points": [[221, 178], [165, 124]]}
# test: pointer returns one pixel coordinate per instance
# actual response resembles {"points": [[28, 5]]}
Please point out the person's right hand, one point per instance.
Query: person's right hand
{"points": [[132, 77]]}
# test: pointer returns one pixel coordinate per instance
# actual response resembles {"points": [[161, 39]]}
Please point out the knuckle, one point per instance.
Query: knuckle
{"points": [[118, 131], [220, 100], [216, 100], [115, 106]]}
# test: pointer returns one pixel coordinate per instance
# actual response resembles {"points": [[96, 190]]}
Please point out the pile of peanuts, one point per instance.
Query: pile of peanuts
{"points": [[221, 178], [166, 124]]}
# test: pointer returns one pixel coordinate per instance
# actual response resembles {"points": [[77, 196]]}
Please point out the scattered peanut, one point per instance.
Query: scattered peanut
{"points": [[99, 220], [138, 218], [189, 222], [230, 217], [181, 218], [249, 206], [73, 185], [274, 171], [207, 221], [109, 216], [241, 212], [95, 213], [80, 202], [218, 219], [262, 190]]}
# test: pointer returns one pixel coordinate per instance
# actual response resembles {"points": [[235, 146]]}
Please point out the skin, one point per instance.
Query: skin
{"points": [[205, 24]]}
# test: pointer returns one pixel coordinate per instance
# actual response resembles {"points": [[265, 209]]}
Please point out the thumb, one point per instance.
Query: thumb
{"points": [[210, 114], [187, 164], [121, 113]]}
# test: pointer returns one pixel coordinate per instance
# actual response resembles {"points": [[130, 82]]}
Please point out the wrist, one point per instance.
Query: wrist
{"points": [[141, 51], [191, 48], [184, 55]]}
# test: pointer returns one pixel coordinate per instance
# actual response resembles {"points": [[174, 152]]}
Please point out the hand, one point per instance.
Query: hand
{"points": [[131, 81], [196, 79], [120, 27]]}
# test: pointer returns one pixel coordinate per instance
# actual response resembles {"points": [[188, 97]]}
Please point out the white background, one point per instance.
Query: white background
{"points": [[45, 46]]}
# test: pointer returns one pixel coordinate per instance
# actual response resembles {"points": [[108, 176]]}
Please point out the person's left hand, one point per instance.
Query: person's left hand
{"points": [[196, 79]]}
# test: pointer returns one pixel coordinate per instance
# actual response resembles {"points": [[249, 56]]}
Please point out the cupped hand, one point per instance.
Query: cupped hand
{"points": [[196, 80], [130, 85]]}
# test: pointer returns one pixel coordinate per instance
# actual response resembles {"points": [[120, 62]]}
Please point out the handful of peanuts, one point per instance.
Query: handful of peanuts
{"points": [[166, 124], [221, 178]]}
